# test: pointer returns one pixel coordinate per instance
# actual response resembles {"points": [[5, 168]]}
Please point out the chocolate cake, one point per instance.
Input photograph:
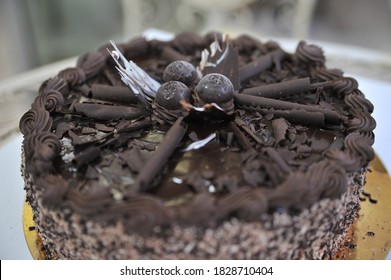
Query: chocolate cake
{"points": [[202, 147]]}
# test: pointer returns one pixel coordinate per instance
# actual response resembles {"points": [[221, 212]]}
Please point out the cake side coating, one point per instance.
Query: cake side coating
{"points": [[282, 136]]}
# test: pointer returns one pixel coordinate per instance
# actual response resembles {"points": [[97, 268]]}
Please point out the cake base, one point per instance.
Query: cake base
{"points": [[368, 237]]}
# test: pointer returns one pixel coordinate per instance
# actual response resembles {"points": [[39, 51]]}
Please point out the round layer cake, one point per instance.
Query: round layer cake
{"points": [[202, 147]]}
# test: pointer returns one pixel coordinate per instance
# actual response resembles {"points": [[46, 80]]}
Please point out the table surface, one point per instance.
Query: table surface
{"points": [[371, 69]]}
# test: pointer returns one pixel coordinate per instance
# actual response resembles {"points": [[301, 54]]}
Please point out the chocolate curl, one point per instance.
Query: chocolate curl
{"points": [[108, 112], [159, 159], [294, 111], [172, 55], [261, 64], [135, 126], [285, 89], [115, 94]]}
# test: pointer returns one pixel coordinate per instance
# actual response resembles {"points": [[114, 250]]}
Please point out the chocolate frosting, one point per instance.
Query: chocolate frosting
{"points": [[51, 100], [57, 84], [92, 63], [186, 42], [41, 149], [73, 76], [311, 54], [357, 100], [345, 85], [303, 189], [35, 120], [54, 188], [293, 132]]}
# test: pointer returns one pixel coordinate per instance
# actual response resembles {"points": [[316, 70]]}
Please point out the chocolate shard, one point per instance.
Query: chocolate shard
{"points": [[223, 59], [108, 112], [280, 127], [240, 137], [240, 123], [156, 163], [133, 159]]}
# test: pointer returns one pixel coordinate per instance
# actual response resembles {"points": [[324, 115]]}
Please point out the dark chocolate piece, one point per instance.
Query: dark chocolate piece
{"points": [[155, 164], [170, 95], [223, 59], [108, 112], [116, 94], [181, 71], [268, 103], [285, 89], [172, 55], [264, 62]]}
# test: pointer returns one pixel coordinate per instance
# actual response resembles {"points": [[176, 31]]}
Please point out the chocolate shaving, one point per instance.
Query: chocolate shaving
{"points": [[280, 127], [133, 159], [240, 137], [239, 122]]}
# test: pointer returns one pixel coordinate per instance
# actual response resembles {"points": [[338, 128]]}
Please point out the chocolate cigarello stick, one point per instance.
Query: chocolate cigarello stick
{"points": [[109, 112], [115, 94], [296, 116], [285, 89], [268, 103], [159, 159], [280, 90], [262, 63], [172, 55]]}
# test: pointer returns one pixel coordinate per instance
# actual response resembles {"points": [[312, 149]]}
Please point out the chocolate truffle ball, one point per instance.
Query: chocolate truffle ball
{"points": [[181, 71], [171, 93], [214, 88]]}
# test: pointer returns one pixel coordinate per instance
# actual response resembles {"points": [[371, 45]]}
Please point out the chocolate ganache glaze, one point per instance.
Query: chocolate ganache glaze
{"points": [[200, 129]]}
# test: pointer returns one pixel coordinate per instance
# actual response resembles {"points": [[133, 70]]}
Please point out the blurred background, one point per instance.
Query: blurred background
{"points": [[37, 32]]}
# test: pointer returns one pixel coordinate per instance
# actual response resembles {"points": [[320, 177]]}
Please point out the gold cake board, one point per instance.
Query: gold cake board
{"points": [[371, 234]]}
